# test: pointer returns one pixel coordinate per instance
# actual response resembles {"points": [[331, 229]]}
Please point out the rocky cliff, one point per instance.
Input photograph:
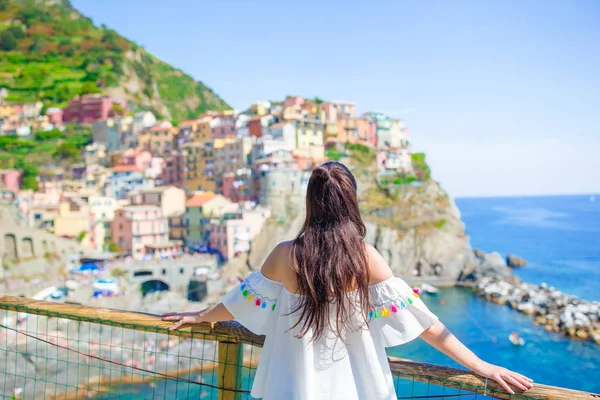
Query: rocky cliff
{"points": [[416, 227]]}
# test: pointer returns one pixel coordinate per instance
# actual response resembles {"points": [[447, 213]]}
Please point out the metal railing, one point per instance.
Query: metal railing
{"points": [[69, 351]]}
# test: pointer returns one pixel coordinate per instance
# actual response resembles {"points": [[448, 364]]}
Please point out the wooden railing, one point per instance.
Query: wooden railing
{"points": [[231, 336]]}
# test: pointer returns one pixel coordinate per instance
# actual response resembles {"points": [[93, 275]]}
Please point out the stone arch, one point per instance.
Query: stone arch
{"points": [[154, 285], [10, 246], [27, 250]]}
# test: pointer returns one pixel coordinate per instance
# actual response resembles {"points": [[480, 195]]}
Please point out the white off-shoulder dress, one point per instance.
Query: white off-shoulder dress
{"points": [[329, 368]]}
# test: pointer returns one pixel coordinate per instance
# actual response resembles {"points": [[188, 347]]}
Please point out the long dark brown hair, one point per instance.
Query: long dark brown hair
{"points": [[328, 254]]}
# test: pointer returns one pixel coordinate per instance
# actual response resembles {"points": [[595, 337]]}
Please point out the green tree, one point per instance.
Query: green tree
{"points": [[89, 88], [29, 182], [8, 41], [43, 136], [17, 32], [38, 42], [3, 5], [66, 151], [113, 248]]}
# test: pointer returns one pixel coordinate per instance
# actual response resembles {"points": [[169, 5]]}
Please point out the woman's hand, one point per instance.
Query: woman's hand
{"points": [[504, 377], [184, 319]]}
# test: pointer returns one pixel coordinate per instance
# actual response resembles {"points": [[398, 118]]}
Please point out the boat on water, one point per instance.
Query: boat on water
{"points": [[516, 339], [429, 289]]}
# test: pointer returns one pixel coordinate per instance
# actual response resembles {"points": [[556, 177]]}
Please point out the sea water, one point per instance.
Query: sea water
{"points": [[560, 239]]}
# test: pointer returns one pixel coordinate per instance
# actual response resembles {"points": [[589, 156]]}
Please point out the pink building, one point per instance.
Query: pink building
{"points": [[55, 116], [357, 130], [293, 101], [238, 186], [394, 159], [11, 179], [232, 234], [139, 158], [344, 109], [89, 108], [135, 227], [172, 173], [223, 127]]}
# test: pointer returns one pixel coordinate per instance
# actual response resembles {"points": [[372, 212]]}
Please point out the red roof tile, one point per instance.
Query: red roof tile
{"points": [[198, 200], [125, 168]]}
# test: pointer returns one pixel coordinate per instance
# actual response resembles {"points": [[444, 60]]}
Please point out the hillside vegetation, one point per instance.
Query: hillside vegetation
{"points": [[51, 52], [44, 149]]}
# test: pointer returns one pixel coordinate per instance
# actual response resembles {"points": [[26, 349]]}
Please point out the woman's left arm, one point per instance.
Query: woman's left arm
{"points": [[442, 339], [218, 312]]}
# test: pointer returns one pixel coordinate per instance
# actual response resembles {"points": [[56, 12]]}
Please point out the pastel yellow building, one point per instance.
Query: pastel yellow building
{"points": [[308, 133], [159, 139], [199, 172], [260, 108], [201, 131]]}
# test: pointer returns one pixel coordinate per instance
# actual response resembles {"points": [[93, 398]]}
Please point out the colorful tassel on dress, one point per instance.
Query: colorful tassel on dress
{"points": [[257, 302], [264, 304], [409, 300], [376, 314], [273, 308], [250, 298], [243, 287], [245, 293], [385, 312], [416, 295], [394, 308], [371, 314]]}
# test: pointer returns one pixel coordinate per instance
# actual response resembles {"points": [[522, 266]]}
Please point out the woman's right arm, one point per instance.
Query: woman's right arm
{"points": [[443, 340]]}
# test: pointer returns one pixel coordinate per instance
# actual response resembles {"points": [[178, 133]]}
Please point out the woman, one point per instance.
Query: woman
{"points": [[329, 306]]}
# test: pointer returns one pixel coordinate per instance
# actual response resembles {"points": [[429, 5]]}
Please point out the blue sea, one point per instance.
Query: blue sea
{"points": [[560, 239]]}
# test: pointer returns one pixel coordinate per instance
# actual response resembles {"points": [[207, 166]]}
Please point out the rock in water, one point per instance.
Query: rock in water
{"points": [[494, 265], [515, 261]]}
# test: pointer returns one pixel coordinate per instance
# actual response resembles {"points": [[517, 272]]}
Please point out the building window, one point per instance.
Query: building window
{"points": [[164, 271], [181, 270]]}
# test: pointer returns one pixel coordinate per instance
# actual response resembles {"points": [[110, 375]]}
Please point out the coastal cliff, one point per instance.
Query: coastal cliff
{"points": [[416, 227]]}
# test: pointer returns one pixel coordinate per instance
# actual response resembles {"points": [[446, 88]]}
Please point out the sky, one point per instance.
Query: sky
{"points": [[502, 96]]}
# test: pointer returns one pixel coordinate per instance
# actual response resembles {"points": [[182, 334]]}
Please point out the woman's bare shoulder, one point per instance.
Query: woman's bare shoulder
{"points": [[277, 264], [379, 269]]}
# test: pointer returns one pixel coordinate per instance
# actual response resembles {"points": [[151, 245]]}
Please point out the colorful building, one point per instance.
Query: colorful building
{"points": [[134, 227], [159, 139], [309, 133], [223, 127], [232, 234], [200, 207], [344, 109], [90, 107], [357, 130], [383, 125], [293, 101], [260, 108], [238, 185], [170, 199], [172, 173], [11, 179], [233, 155], [199, 167], [395, 159], [124, 179]]}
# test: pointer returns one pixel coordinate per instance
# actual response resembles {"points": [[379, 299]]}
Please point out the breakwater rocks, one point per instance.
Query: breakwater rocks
{"points": [[557, 311]]}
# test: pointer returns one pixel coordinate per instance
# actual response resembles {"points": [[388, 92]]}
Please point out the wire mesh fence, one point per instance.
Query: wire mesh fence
{"points": [[62, 358], [93, 353]]}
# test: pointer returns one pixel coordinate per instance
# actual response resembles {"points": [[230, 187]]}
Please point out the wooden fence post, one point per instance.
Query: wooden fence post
{"points": [[231, 357]]}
